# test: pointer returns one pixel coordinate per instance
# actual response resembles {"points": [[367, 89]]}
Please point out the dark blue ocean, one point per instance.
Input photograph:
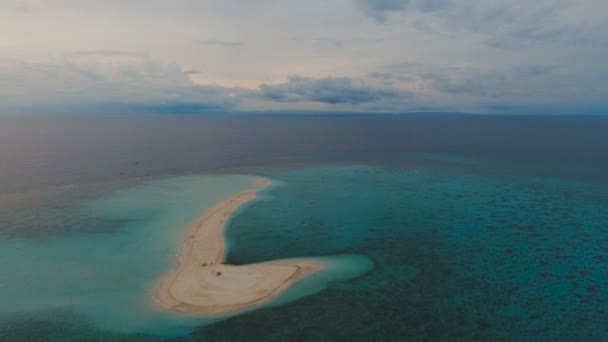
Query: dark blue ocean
{"points": [[475, 227]]}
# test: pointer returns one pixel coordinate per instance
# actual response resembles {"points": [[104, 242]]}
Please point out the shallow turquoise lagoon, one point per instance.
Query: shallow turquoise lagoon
{"points": [[445, 251], [105, 279]]}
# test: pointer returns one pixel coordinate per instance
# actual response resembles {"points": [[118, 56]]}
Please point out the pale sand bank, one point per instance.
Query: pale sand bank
{"points": [[203, 284]]}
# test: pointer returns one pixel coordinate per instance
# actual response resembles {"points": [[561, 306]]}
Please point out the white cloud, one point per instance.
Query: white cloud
{"points": [[239, 55], [104, 79]]}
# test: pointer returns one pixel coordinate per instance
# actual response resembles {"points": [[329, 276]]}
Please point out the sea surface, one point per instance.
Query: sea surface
{"points": [[443, 227]]}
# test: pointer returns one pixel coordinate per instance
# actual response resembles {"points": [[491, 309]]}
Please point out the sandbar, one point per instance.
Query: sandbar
{"points": [[204, 284]]}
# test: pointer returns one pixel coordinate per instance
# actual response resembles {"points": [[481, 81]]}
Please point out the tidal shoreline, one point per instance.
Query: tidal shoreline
{"points": [[203, 284]]}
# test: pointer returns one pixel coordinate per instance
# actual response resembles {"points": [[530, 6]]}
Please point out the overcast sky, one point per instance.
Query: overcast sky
{"points": [[491, 56]]}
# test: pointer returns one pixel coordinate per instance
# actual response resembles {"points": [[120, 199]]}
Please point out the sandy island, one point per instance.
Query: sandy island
{"points": [[204, 284]]}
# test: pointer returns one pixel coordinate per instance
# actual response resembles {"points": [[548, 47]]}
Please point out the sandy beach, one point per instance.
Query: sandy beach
{"points": [[204, 284]]}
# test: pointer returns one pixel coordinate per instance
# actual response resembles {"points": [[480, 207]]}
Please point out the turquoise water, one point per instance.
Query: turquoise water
{"points": [[441, 228], [439, 252], [106, 278], [459, 253]]}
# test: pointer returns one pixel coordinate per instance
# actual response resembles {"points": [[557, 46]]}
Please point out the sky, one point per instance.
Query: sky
{"points": [[190, 56]]}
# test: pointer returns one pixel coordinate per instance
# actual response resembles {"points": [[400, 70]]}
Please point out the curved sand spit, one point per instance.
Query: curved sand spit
{"points": [[203, 284]]}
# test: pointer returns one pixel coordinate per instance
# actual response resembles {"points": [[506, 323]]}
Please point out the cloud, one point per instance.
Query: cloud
{"points": [[506, 24], [102, 82], [330, 90], [171, 108], [107, 81], [397, 55], [191, 72], [379, 9], [222, 43], [20, 7], [107, 53], [329, 42], [503, 88]]}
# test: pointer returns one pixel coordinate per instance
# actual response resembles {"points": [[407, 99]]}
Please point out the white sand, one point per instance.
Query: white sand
{"points": [[203, 284]]}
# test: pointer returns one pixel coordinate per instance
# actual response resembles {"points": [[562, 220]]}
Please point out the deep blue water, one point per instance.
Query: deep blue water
{"points": [[479, 228]]}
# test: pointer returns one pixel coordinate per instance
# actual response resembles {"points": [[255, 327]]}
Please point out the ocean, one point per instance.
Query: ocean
{"points": [[446, 227]]}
